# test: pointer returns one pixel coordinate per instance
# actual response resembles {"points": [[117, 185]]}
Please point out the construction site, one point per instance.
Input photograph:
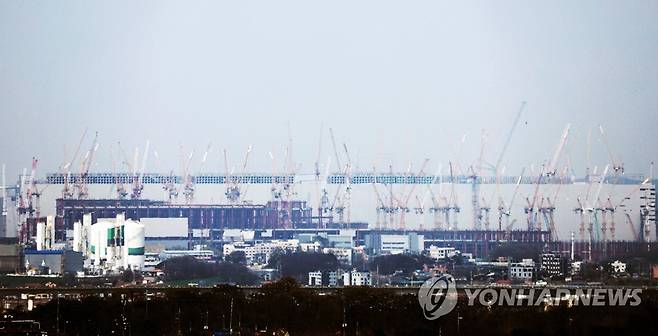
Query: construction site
{"points": [[603, 211]]}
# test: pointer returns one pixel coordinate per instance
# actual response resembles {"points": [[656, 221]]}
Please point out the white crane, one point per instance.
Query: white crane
{"points": [[81, 183]]}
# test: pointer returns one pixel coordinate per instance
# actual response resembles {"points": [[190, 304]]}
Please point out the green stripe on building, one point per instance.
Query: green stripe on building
{"points": [[135, 251]]}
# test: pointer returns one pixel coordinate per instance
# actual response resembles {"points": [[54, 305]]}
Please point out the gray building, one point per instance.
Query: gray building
{"points": [[10, 255], [53, 261]]}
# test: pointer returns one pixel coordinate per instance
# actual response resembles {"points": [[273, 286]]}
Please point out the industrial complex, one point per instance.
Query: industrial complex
{"points": [[114, 219]]}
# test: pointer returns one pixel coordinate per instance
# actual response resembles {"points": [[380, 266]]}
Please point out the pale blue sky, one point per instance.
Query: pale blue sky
{"points": [[395, 80]]}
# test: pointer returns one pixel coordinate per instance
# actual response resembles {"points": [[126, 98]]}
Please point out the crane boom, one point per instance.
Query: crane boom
{"points": [[509, 136], [333, 143], [551, 169]]}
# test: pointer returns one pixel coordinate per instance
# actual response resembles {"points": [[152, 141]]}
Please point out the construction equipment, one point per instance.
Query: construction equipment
{"points": [[65, 169], [509, 137], [168, 183], [475, 185], [551, 170], [233, 193], [381, 209], [405, 207], [530, 209], [323, 202], [507, 211], [4, 191], [617, 165], [120, 188], [138, 172], [436, 208], [188, 187], [85, 165], [451, 203], [593, 212]]}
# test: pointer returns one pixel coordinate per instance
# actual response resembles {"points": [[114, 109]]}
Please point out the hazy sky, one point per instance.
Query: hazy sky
{"points": [[397, 81]]}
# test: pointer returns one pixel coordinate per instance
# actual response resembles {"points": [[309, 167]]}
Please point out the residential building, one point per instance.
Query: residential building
{"points": [[343, 255], [576, 267], [618, 267], [315, 278], [522, 270], [323, 278], [551, 264], [438, 253], [357, 278]]}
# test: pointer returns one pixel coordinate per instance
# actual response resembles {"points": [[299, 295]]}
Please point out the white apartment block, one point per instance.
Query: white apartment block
{"points": [[523, 270], [343, 255], [618, 266], [438, 253], [254, 250], [356, 278]]}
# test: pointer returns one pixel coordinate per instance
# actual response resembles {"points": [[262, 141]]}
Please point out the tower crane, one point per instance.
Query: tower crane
{"points": [[120, 188], [580, 210], [138, 172], [613, 208], [323, 202], [531, 209], [636, 237], [590, 207], [274, 189], [452, 202], [617, 166], [346, 201], [405, 204], [381, 206], [4, 191], [509, 136], [188, 187], [67, 190], [551, 170], [318, 181], [81, 183], [436, 208], [475, 185], [508, 211], [234, 191], [168, 183]]}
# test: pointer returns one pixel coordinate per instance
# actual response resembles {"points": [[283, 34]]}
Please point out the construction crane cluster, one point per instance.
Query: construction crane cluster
{"points": [[394, 204]]}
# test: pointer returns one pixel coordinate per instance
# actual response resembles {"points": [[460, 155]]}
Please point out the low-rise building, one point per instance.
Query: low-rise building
{"points": [[315, 278], [576, 267], [523, 270], [357, 278], [260, 252], [551, 264], [343, 255], [439, 253], [320, 278], [53, 261], [11, 255], [618, 267], [198, 253]]}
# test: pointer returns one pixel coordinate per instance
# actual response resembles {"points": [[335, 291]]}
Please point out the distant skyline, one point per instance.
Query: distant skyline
{"points": [[396, 82]]}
